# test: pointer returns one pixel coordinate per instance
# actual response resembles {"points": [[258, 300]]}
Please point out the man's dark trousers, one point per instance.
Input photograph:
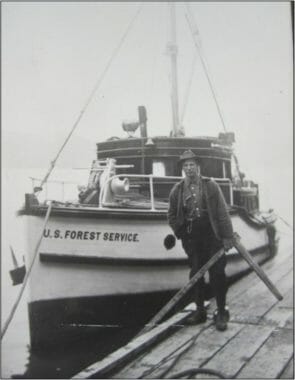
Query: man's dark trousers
{"points": [[200, 244]]}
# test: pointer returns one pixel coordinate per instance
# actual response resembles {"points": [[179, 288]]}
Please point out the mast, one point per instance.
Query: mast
{"points": [[172, 51]]}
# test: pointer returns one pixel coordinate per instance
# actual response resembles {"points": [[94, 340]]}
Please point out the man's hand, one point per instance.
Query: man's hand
{"points": [[169, 241], [228, 243]]}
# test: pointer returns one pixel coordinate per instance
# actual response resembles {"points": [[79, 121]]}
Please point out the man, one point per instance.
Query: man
{"points": [[199, 217]]}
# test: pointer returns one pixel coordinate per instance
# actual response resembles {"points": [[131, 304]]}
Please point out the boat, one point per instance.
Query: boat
{"points": [[101, 260]]}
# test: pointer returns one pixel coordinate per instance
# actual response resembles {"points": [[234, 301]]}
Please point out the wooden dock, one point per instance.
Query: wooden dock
{"points": [[257, 344]]}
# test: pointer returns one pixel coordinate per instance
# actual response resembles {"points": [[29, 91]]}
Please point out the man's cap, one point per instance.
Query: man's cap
{"points": [[187, 155]]}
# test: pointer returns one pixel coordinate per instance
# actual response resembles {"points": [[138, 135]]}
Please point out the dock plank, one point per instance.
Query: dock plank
{"points": [[274, 270], [282, 312], [247, 286], [257, 344], [259, 302], [271, 358], [206, 346], [129, 351], [252, 286], [290, 322], [238, 351], [168, 347], [288, 298], [159, 352], [266, 311], [279, 317], [288, 372], [258, 299]]}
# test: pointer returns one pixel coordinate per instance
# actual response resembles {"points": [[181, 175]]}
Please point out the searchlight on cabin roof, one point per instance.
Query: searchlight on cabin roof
{"points": [[130, 127]]}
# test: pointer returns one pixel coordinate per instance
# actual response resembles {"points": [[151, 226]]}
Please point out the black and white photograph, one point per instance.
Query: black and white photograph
{"points": [[147, 190]]}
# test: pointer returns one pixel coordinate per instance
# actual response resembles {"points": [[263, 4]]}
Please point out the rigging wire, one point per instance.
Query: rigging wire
{"points": [[284, 221], [196, 36], [97, 85], [197, 41], [155, 58], [188, 89], [238, 168]]}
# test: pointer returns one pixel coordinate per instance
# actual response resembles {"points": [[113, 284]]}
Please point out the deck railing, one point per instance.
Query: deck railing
{"points": [[103, 204], [62, 185]]}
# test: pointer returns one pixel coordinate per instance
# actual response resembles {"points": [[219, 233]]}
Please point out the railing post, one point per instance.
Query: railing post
{"points": [[231, 197], [62, 191], [33, 183], [152, 192], [223, 170]]}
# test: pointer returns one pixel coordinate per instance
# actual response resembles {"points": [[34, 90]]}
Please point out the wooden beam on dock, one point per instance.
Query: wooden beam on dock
{"points": [[128, 352]]}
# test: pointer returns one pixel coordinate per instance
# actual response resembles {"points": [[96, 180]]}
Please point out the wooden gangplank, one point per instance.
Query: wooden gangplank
{"points": [[257, 344]]}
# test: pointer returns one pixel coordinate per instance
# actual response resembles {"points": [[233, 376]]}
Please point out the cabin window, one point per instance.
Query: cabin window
{"points": [[212, 167], [136, 169], [227, 165], [159, 168], [226, 172]]}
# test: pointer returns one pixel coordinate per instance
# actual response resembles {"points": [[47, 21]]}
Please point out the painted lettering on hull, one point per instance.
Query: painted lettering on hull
{"points": [[91, 235]]}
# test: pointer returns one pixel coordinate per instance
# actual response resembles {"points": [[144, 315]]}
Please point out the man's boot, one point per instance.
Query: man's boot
{"points": [[221, 317], [199, 316]]}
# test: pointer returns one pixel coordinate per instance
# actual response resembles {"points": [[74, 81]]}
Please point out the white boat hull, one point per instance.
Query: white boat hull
{"points": [[99, 270]]}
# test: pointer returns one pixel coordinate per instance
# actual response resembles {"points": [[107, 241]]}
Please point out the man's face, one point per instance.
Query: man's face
{"points": [[190, 168]]}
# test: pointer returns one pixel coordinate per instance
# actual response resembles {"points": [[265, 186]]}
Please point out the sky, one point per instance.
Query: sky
{"points": [[53, 54]]}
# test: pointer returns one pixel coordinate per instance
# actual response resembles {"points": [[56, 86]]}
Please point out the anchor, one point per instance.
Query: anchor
{"points": [[18, 273]]}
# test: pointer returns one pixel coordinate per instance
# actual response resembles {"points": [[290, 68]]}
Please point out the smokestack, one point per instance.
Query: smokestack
{"points": [[142, 121]]}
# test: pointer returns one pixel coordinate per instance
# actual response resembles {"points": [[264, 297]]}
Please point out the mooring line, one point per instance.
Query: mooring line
{"points": [[284, 221]]}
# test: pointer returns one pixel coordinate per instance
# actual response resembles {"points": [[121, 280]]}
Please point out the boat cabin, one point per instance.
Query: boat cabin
{"points": [[158, 156], [138, 159]]}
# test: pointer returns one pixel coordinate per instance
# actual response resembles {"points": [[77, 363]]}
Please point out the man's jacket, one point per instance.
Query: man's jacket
{"points": [[215, 204]]}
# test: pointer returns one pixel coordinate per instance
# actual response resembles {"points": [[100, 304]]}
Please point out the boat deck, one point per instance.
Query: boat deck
{"points": [[257, 344]]}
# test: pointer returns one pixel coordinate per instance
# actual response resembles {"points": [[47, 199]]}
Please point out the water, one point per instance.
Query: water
{"points": [[91, 344]]}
